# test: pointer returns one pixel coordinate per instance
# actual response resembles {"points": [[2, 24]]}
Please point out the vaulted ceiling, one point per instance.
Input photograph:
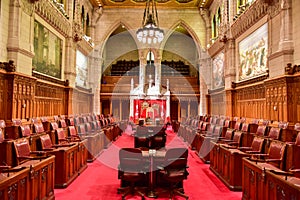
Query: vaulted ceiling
{"points": [[160, 3]]}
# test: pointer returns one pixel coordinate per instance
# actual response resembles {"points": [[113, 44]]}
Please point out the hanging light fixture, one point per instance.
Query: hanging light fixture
{"points": [[150, 33]]}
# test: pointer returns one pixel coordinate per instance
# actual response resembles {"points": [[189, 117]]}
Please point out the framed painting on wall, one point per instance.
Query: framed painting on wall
{"points": [[48, 51], [253, 52]]}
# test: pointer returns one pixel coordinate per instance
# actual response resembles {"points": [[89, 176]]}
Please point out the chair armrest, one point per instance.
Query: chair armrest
{"points": [[253, 152], [273, 160], [4, 167], [38, 153], [245, 148], [62, 145], [232, 143]]}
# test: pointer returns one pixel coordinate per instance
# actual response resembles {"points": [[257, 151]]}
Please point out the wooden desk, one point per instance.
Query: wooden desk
{"points": [[254, 179], [15, 185], [282, 187], [41, 178], [227, 165]]}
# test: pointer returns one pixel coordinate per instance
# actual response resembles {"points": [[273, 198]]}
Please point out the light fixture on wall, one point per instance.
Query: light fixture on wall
{"points": [[150, 33]]}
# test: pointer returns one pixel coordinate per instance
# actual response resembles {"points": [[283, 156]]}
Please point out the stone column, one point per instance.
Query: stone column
{"points": [[143, 63], [286, 28], [157, 64]]}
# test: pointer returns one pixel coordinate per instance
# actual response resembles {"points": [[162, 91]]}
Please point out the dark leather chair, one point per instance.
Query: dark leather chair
{"points": [[47, 145], [295, 169], [236, 140], [25, 130], [256, 146], [73, 135], [23, 152], [275, 133], [275, 155], [158, 139], [132, 169], [173, 170], [141, 137]]}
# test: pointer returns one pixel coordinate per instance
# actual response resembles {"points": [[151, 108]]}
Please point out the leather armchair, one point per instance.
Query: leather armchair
{"points": [[132, 169], [256, 146], [275, 155], [23, 152], [173, 170]]}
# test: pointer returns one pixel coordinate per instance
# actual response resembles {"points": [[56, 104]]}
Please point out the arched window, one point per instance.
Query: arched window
{"points": [[87, 30], [82, 19], [218, 21], [213, 27]]}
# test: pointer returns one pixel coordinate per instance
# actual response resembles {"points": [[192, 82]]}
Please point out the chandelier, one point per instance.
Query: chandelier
{"points": [[150, 33]]}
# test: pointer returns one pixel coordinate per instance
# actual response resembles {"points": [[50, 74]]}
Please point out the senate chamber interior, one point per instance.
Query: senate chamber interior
{"points": [[144, 99]]}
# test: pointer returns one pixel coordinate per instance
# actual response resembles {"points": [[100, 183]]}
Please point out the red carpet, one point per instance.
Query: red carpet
{"points": [[99, 181]]}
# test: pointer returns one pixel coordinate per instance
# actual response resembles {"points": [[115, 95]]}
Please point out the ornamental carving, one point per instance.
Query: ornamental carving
{"points": [[27, 7], [49, 12], [253, 14]]}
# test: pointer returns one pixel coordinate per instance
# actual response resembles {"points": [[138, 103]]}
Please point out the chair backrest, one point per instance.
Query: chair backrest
{"points": [[257, 144], [238, 125], [204, 126], [88, 127], [229, 134], [16, 122], [46, 142], [297, 142], [72, 131], [275, 133], [53, 125], [1, 135], [211, 128], [142, 130], [276, 150], [81, 129], [38, 127], [217, 131], [261, 130], [221, 122], [71, 121], [176, 158], [237, 137], [60, 134], [2, 124], [22, 147], [25, 130], [227, 123], [245, 127], [62, 123], [131, 160]]}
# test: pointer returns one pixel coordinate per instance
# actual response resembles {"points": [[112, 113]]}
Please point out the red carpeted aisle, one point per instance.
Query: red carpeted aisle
{"points": [[99, 181]]}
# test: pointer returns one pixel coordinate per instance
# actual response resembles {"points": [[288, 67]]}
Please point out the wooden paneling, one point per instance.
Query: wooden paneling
{"points": [[24, 97]]}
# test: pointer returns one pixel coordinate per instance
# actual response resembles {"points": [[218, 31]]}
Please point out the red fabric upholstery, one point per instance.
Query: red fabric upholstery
{"points": [[62, 123]]}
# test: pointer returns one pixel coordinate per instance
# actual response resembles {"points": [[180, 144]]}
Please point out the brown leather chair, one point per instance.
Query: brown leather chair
{"points": [[73, 135], [236, 140], [296, 152], [275, 155], [174, 170], [47, 145], [25, 130], [256, 146], [261, 130], [275, 133], [141, 137], [23, 152], [132, 169], [158, 140]]}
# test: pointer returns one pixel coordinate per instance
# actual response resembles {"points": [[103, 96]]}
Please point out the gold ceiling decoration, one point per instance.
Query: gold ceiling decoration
{"points": [[160, 3]]}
